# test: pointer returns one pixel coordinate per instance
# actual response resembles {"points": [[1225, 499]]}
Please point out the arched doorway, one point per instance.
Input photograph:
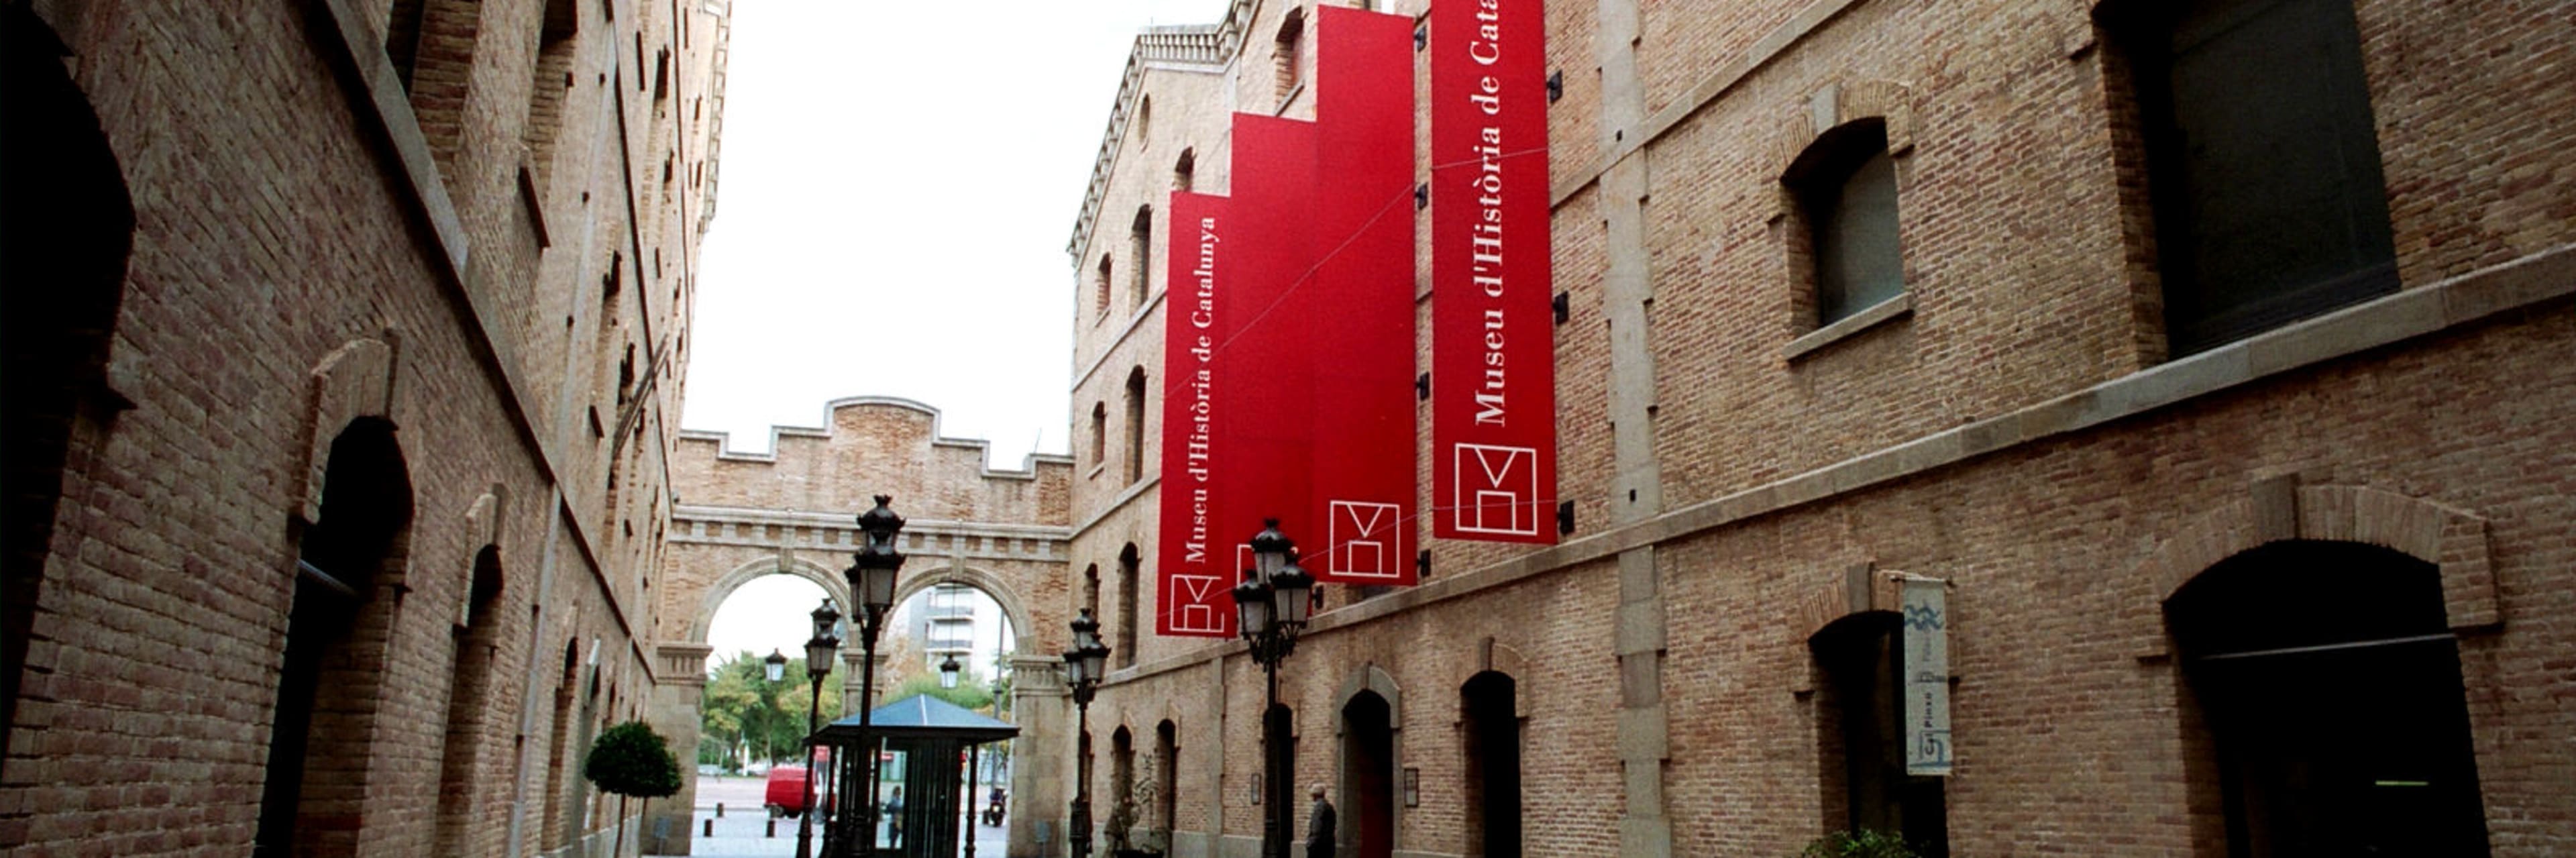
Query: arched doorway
{"points": [[1368, 776], [2329, 685], [1488, 708], [66, 227], [1860, 736]]}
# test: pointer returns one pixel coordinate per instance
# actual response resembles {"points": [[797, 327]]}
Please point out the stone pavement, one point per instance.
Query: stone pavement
{"points": [[744, 829]]}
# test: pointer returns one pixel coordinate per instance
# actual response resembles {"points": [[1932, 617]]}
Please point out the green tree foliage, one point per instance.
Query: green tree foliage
{"points": [[632, 760], [1862, 844], [970, 692], [742, 710]]}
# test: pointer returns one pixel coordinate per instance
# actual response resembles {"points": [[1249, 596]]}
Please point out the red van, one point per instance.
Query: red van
{"points": [[786, 794]]}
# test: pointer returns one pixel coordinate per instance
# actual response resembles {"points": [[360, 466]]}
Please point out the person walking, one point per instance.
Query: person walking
{"points": [[1319, 825]]}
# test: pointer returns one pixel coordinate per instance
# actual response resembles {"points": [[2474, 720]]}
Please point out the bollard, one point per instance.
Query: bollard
{"points": [[773, 828], [719, 810], [711, 829]]}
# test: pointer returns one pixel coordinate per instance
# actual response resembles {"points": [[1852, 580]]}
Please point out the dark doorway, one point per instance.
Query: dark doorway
{"points": [[1493, 765], [1279, 767], [478, 651], [2330, 683], [1368, 776], [328, 686], [1862, 739], [65, 229]]}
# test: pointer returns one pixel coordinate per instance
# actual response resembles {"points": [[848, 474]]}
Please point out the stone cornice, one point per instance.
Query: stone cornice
{"points": [[1203, 48]]}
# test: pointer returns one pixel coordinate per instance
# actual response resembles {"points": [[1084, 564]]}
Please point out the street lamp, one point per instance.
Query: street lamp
{"points": [[1084, 665], [872, 581], [948, 671], [819, 651], [775, 666], [1272, 605]]}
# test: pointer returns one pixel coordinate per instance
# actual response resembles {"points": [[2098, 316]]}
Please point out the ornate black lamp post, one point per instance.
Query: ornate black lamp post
{"points": [[872, 581], [775, 666], [1273, 604], [948, 671], [1084, 665], [819, 651]]}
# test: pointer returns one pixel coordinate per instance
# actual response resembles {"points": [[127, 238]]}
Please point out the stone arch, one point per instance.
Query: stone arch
{"points": [[1494, 656], [834, 586], [1014, 608], [1860, 588], [2279, 509], [1370, 677], [354, 381]]}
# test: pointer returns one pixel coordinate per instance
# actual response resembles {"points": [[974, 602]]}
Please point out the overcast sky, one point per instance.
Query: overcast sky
{"points": [[898, 181]]}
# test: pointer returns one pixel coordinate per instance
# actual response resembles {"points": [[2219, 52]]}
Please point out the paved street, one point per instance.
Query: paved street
{"points": [[744, 830]]}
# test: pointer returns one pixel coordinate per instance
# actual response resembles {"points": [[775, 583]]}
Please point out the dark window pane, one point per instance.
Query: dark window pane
{"points": [[2270, 202], [1858, 263]]}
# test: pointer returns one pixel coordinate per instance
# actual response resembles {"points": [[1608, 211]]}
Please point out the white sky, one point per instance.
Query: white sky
{"points": [[897, 184]]}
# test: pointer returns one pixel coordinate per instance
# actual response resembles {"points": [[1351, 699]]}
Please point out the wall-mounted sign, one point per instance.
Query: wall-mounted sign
{"points": [[1925, 603]]}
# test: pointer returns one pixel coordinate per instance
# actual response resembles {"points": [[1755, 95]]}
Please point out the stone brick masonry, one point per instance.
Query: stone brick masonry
{"points": [[2014, 424], [468, 228]]}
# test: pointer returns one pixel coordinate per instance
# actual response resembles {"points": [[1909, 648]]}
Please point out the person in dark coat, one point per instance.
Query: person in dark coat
{"points": [[1319, 826]]}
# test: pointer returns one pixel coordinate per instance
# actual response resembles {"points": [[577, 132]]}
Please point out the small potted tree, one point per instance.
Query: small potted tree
{"points": [[634, 762]]}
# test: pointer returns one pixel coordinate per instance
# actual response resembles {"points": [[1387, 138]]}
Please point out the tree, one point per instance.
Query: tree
{"points": [[970, 693], [742, 708], [632, 761]]}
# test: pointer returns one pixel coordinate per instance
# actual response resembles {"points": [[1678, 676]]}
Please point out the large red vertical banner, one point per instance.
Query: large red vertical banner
{"points": [[1269, 362], [1195, 566], [1493, 378], [1289, 336], [1361, 331]]}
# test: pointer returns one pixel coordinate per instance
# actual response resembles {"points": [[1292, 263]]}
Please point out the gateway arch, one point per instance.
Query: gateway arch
{"points": [[739, 517]]}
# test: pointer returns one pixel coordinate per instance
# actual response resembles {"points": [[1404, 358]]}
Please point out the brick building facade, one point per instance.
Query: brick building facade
{"points": [[346, 341], [794, 511], [1857, 292]]}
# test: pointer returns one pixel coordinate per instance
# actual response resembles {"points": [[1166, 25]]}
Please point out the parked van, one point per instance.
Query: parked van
{"points": [[786, 793]]}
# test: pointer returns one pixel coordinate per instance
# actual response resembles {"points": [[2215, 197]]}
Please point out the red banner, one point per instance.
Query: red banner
{"points": [[1289, 339], [1195, 563], [1360, 330], [1493, 379]]}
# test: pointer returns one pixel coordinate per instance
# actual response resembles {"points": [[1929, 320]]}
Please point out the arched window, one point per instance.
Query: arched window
{"points": [[2261, 159], [1144, 132], [553, 79], [1099, 434], [1185, 171], [1091, 589], [1861, 738], [1129, 596], [1845, 184], [1122, 772], [2329, 684], [1100, 291], [469, 698], [1288, 53], [1136, 425], [432, 43], [1167, 777], [1140, 253]]}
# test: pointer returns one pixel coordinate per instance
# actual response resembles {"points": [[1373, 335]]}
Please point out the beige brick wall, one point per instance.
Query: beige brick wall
{"points": [[2017, 431]]}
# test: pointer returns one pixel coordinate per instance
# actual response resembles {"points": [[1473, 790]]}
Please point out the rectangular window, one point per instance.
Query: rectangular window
{"points": [[2263, 163]]}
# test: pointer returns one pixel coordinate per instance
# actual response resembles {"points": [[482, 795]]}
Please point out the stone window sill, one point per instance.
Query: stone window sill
{"points": [[1847, 327]]}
